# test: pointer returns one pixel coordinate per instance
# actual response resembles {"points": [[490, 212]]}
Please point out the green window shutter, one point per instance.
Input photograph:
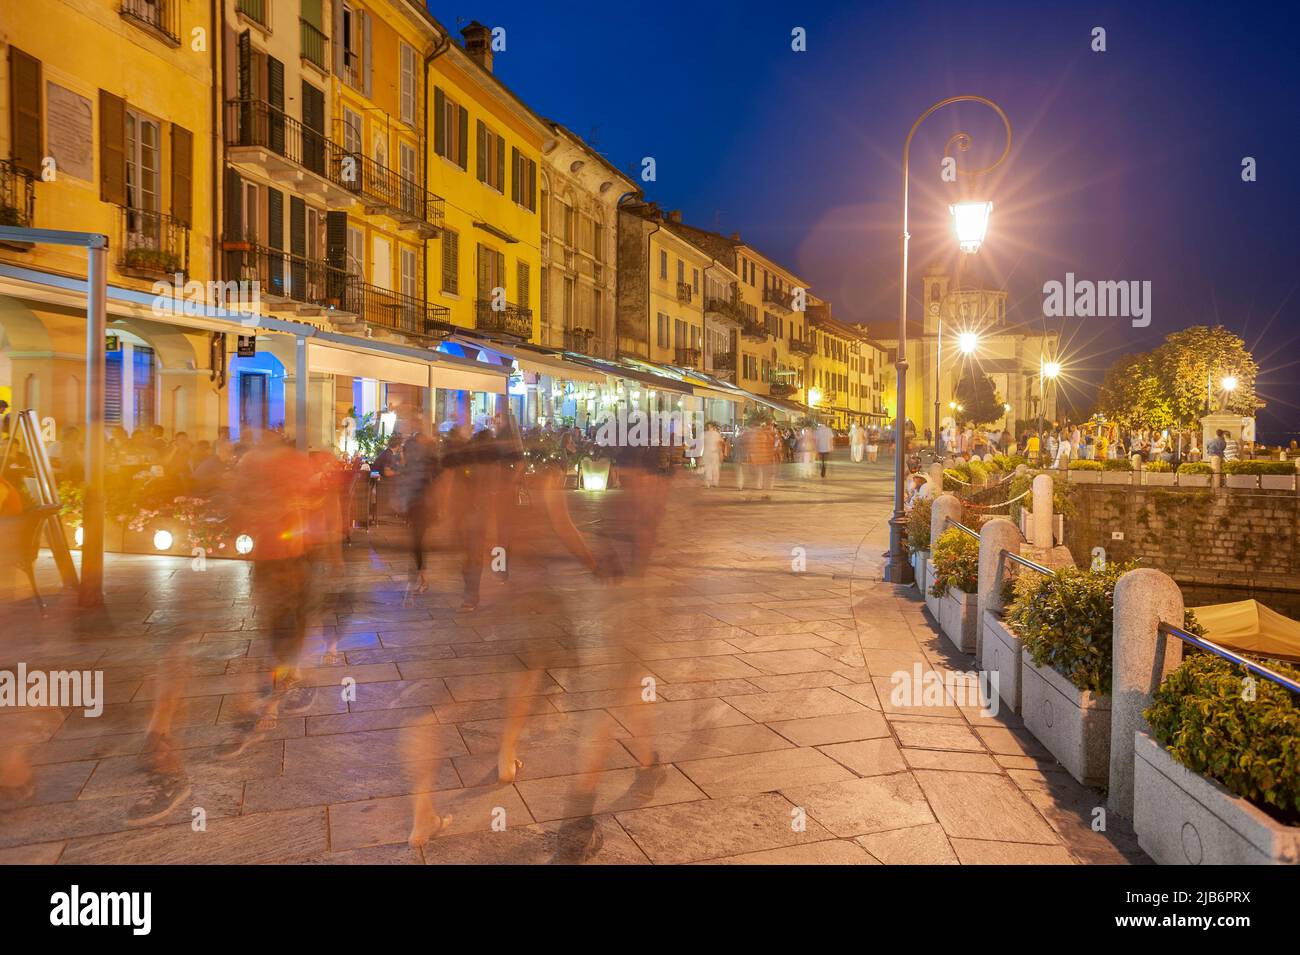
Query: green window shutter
{"points": [[274, 218], [450, 263]]}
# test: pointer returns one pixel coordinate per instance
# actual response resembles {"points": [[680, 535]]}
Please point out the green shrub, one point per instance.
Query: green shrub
{"points": [[1120, 464], [1082, 464], [1259, 467], [956, 559], [956, 477], [918, 525], [1251, 747], [1195, 467], [1008, 462], [1159, 467], [979, 472]]}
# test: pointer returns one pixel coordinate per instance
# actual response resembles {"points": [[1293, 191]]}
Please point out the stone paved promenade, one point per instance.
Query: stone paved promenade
{"points": [[772, 688]]}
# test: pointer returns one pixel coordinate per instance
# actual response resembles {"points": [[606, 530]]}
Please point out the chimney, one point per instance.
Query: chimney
{"points": [[675, 215], [478, 44]]}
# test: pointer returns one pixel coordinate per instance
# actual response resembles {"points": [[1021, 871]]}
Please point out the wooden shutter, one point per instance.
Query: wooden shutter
{"points": [[340, 41], [481, 147], [336, 256], [451, 263], [112, 148], [182, 173], [297, 247], [233, 224], [439, 121], [26, 143], [501, 163], [462, 115], [367, 62], [274, 218], [523, 275], [245, 66], [514, 174]]}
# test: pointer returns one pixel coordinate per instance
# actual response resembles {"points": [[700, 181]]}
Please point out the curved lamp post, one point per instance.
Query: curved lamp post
{"points": [[970, 219]]}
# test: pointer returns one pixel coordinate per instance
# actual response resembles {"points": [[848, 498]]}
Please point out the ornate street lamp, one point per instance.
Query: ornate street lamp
{"points": [[970, 225]]}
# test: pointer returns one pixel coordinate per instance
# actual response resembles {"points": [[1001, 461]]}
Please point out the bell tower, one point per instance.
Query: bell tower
{"points": [[934, 287]]}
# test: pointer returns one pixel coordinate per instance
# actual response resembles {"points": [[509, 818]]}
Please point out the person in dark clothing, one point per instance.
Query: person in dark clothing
{"points": [[415, 490]]}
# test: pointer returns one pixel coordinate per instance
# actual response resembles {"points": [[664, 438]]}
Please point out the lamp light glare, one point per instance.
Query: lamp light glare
{"points": [[162, 540], [1051, 369], [244, 544], [970, 220], [968, 342], [1230, 383]]}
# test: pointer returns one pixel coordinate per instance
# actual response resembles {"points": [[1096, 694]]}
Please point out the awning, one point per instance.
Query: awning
{"points": [[1247, 626], [640, 371]]}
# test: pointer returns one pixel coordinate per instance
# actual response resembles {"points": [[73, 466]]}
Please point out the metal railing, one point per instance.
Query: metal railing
{"points": [[777, 297], [684, 292], [724, 361], [257, 10], [1206, 645], [512, 320], [754, 330], [151, 244], [578, 339], [315, 44], [396, 311], [804, 346], [17, 195], [688, 357], [160, 16]]}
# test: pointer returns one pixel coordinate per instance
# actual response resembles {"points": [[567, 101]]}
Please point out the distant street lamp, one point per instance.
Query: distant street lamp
{"points": [[968, 342], [970, 225], [1048, 371]]}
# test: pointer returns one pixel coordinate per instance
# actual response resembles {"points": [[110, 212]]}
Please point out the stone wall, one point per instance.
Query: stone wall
{"points": [[1216, 536]]}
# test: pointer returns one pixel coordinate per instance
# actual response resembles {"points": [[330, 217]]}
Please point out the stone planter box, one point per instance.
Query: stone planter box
{"points": [[1247, 481], [1117, 477], [1085, 477], [921, 569], [931, 601], [1277, 482], [1073, 724], [958, 619], [1182, 818], [1001, 650], [1195, 480], [1159, 478]]}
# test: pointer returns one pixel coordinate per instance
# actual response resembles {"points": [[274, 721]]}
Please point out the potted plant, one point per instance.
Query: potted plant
{"points": [[1117, 471], [1159, 473], [956, 562], [1195, 474], [918, 542], [1217, 780], [1085, 472]]}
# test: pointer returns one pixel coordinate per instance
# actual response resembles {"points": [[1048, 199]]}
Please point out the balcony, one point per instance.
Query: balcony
{"points": [[512, 320], [782, 389], [396, 312], [724, 361], [314, 44], [578, 339], [259, 11], [778, 297], [728, 309], [282, 148], [753, 330], [803, 346], [684, 292], [17, 195], [159, 17], [151, 245], [689, 358]]}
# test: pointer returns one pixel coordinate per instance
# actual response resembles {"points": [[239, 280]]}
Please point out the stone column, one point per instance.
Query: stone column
{"points": [[1041, 528], [945, 506], [996, 535], [1142, 656]]}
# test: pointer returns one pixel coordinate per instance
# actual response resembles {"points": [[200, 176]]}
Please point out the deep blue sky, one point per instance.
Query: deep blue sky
{"points": [[1126, 164]]}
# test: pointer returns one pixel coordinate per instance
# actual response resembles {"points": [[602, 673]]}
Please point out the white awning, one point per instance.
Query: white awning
{"points": [[557, 368]]}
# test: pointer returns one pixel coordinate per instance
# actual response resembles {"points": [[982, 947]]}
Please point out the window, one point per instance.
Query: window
{"points": [[681, 333], [351, 131], [664, 331], [143, 163], [568, 302], [450, 263], [696, 281], [681, 272], [450, 129], [663, 264], [315, 238], [410, 282], [356, 252], [407, 93], [491, 158], [598, 241], [251, 214], [491, 271], [523, 180]]}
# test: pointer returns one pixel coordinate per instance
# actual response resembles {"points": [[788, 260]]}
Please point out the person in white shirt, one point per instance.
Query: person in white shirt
{"points": [[1063, 451], [857, 442], [712, 456], [825, 441]]}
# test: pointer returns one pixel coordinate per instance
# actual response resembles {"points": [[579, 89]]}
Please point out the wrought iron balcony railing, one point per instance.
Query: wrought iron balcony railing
{"points": [[512, 320], [578, 339], [257, 123], [777, 297], [315, 45], [728, 308], [17, 195], [158, 16], [803, 346], [684, 291], [756, 331], [688, 358], [724, 361], [151, 244], [396, 311]]}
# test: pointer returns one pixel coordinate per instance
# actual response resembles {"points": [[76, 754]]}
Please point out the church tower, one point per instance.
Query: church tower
{"points": [[934, 287]]}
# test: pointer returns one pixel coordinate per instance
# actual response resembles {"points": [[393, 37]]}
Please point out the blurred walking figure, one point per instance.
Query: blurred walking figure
{"points": [[712, 457], [279, 489], [415, 489], [759, 446], [470, 465], [857, 442], [806, 444], [825, 441]]}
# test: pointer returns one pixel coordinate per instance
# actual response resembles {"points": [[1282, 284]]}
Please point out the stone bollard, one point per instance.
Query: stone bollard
{"points": [[1041, 533], [936, 474], [945, 506], [997, 535], [1142, 656]]}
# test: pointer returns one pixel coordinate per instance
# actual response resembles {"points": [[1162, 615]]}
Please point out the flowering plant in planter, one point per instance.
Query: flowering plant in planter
{"points": [[1195, 467], [918, 526], [203, 526], [1202, 715], [1158, 467], [1086, 464], [1117, 464], [956, 560]]}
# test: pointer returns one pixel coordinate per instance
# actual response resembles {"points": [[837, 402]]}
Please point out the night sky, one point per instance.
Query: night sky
{"points": [[1126, 164]]}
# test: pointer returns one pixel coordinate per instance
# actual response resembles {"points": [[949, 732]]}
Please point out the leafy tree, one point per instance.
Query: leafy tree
{"points": [[979, 399], [1133, 395]]}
